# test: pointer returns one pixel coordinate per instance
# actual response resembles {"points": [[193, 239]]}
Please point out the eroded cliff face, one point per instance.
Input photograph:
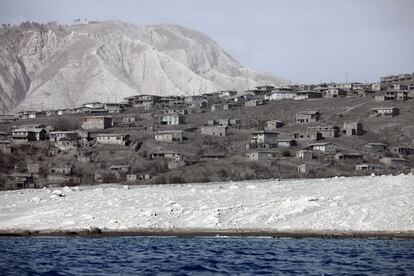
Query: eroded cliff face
{"points": [[55, 66]]}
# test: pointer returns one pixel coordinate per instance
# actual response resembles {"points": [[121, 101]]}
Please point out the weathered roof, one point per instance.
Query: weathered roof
{"points": [[169, 131], [29, 130], [111, 134]]}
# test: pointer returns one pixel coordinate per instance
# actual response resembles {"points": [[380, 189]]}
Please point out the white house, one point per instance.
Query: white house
{"points": [[112, 139], [323, 147]]}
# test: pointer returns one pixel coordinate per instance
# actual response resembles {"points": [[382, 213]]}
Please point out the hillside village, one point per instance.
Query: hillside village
{"points": [[292, 131]]}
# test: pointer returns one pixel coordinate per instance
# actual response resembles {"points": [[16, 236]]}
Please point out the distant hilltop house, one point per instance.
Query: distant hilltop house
{"points": [[113, 139], [143, 101], [97, 122], [310, 116], [169, 136], [7, 118], [385, 111], [405, 79], [278, 94], [27, 114]]}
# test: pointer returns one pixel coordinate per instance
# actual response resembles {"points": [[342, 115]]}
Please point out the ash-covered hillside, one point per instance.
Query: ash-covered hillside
{"points": [[45, 66]]}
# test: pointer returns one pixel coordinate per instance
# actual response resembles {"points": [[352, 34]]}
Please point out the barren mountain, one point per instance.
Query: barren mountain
{"points": [[59, 66]]}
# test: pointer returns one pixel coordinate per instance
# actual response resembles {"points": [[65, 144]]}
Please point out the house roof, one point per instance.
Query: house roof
{"points": [[36, 130], [308, 112], [111, 134], [169, 131]]}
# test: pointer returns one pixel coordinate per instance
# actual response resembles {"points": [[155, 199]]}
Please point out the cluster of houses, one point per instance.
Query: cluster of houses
{"points": [[110, 124]]}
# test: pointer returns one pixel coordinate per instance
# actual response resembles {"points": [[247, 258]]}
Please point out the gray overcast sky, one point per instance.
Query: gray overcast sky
{"points": [[305, 41]]}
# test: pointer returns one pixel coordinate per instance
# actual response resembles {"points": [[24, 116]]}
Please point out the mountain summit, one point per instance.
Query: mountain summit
{"points": [[45, 66]]}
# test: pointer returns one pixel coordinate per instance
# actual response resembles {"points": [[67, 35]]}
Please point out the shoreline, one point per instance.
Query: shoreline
{"points": [[188, 233]]}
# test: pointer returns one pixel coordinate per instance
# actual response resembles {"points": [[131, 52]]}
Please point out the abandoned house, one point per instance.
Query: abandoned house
{"points": [[175, 164], [120, 168], [348, 156], [323, 147], [307, 116], [129, 120], [27, 135], [56, 136], [173, 119], [169, 136], [264, 138], [368, 167], [20, 181], [97, 122], [352, 128], [378, 147], [286, 142], [385, 111], [334, 93], [63, 170], [394, 162], [304, 154], [175, 111], [26, 114], [392, 95], [307, 136], [254, 103], [305, 95], [143, 101], [113, 139], [402, 151], [214, 130], [273, 124], [212, 157], [325, 131], [165, 154], [260, 155]]}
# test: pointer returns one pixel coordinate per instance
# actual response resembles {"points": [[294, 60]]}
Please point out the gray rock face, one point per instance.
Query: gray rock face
{"points": [[60, 66]]}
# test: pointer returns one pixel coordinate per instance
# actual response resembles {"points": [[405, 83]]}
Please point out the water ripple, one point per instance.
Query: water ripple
{"points": [[204, 256]]}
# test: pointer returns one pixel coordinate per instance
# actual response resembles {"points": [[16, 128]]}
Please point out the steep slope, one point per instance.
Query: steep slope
{"points": [[55, 66]]}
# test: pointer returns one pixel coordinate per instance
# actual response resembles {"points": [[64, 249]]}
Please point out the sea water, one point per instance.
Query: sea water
{"points": [[204, 256]]}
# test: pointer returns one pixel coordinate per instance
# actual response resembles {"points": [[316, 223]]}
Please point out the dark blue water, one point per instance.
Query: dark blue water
{"points": [[205, 256]]}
